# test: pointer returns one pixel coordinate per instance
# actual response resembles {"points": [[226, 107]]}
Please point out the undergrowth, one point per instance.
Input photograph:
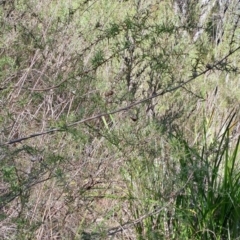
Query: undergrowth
{"points": [[119, 120]]}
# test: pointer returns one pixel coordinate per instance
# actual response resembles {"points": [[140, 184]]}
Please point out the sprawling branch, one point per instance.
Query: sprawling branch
{"points": [[209, 67]]}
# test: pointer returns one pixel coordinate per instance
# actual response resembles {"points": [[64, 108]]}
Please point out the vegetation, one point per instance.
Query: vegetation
{"points": [[119, 119]]}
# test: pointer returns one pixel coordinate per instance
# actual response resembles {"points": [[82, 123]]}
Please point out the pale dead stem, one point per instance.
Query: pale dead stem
{"points": [[23, 79]]}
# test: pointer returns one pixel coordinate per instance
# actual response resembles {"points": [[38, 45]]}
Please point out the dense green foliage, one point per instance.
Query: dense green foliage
{"points": [[119, 119]]}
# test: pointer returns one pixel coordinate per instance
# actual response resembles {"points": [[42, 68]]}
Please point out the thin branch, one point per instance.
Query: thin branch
{"points": [[127, 225], [209, 67]]}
